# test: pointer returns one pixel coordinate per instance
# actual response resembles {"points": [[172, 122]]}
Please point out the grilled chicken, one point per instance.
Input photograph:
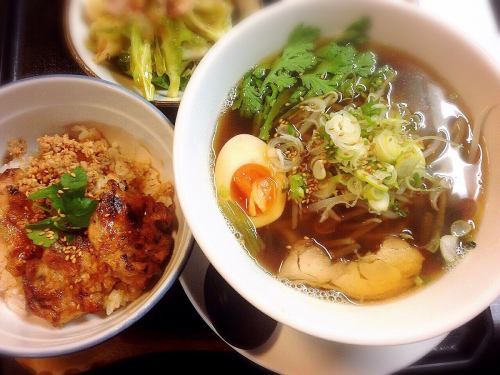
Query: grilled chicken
{"points": [[131, 234], [129, 240], [15, 212]]}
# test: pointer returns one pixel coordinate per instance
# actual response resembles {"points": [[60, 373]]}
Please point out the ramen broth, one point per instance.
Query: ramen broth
{"points": [[441, 112]]}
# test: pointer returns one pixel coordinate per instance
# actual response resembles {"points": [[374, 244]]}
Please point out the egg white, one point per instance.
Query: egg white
{"points": [[246, 149]]}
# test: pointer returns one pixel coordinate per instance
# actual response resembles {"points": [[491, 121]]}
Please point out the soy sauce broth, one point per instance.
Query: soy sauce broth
{"points": [[441, 111]]}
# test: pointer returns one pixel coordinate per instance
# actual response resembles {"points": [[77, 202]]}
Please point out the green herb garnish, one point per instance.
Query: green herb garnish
{"points": [[307, 68], [357, 33], [297, 187], [43, 238], [69, 209], [396, 207]]}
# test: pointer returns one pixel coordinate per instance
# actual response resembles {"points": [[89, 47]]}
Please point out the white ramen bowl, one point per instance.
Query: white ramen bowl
{"points": [[35, 107], [458, 295]]}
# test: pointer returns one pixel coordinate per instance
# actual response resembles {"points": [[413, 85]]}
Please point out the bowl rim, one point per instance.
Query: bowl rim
{"points": [[181, 137], [185, 250]]}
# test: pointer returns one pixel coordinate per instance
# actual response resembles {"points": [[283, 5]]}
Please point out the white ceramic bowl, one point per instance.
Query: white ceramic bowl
{"points": [[438, 308], [34, 107]]}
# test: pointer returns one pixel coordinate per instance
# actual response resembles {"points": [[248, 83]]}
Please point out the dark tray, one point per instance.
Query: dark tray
{"points": [[172, 334]]}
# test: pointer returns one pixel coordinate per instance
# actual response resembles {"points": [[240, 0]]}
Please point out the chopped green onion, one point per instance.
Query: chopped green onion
{"points": [[368, 178], [387, 148], [297, 187]]}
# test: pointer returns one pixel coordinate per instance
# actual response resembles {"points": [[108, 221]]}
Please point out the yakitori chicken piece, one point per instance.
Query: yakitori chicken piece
{"points": [[129, 239]]}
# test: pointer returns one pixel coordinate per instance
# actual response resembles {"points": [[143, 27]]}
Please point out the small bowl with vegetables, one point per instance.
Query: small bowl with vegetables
{"points": [[151, 47], [338, 175]]}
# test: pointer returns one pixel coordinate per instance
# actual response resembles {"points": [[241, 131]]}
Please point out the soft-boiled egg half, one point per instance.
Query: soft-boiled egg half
{"points": [[244, 174]]}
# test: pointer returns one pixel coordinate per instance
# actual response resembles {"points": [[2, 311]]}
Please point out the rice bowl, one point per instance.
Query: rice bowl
{"points": [[60, 105]]}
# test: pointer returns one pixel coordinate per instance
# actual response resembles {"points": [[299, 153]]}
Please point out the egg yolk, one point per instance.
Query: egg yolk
{"points": [[253, 188]]}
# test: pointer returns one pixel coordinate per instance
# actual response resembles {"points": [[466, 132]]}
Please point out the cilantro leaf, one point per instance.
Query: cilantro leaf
{"points": [[41, 238], [68, 208], [341, 69], [51, 193], [296, 58], [303, 34], [303, 71], [81, 206], [75, 181], [260, 88], [317, 85], [336, 59], [365, 64], [260, 71], [283, 81], [79, 212], [356, 33], [249, 98]]}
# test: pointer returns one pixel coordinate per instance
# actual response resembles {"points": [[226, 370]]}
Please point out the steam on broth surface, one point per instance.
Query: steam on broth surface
{"points": [[356, 226]]}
